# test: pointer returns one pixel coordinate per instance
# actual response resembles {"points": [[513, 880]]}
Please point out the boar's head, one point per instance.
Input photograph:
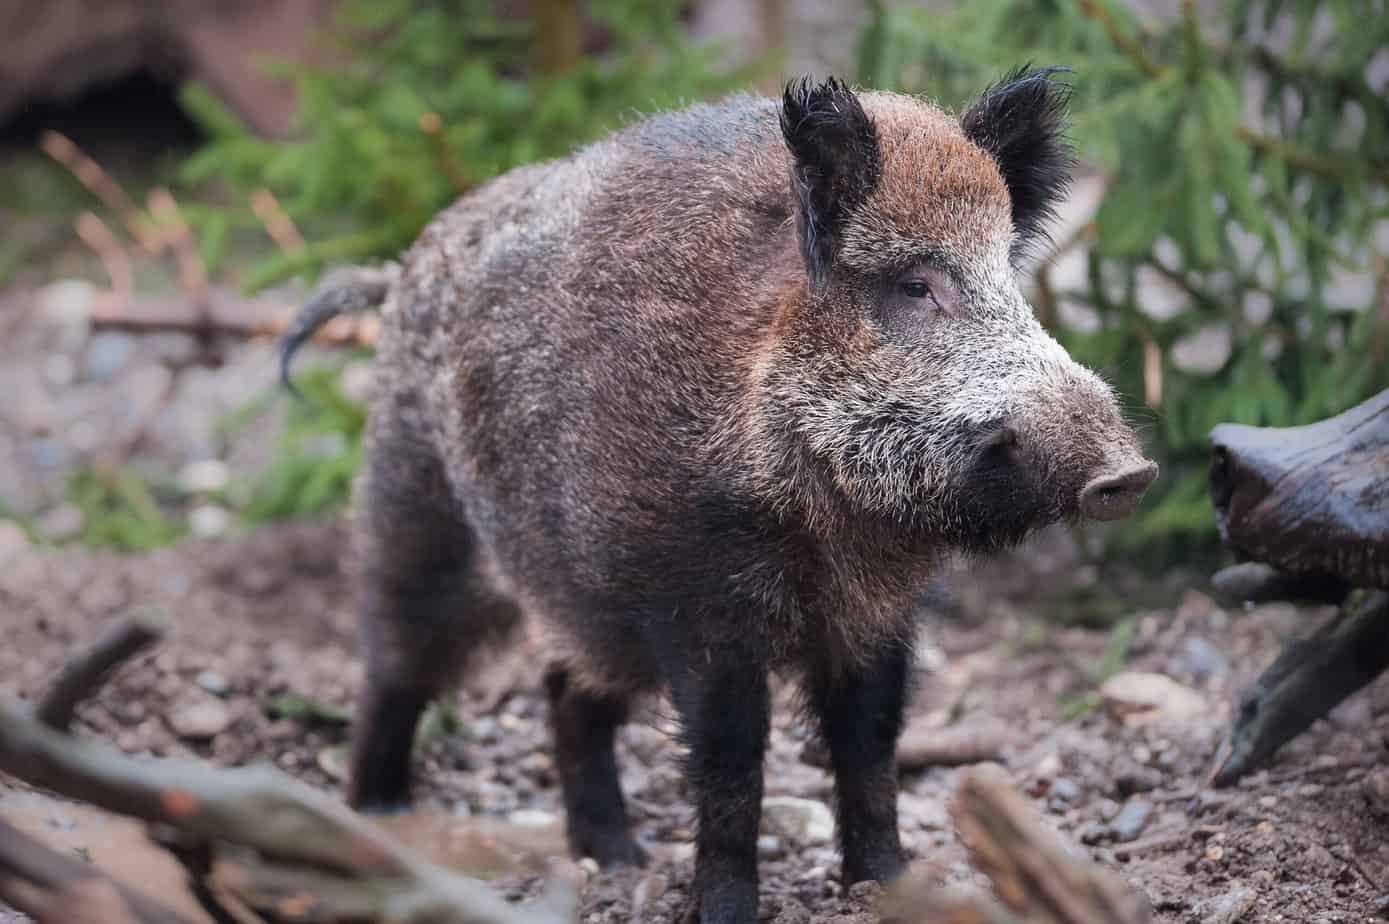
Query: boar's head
{"points": [[911, 372]]}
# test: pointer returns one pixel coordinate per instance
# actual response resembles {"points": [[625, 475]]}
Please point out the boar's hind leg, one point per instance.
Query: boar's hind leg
{"points": [[860, 715], [723, 702], [424, 609], [584, 726]]}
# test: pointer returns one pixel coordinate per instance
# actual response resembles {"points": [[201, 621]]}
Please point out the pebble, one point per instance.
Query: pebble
{"points": [[201, 720], [60, 523], [650, 889], [13, 541], [356, 381], [108, 353], [1227, 908], [333, 762], [212, 682], [204, 476], [800, 822], [769, 846], [533, 818], [1064, 789], [1131, 820], [66, 305], [1138, 697], [59, 371], [48, 453], [1202, 659], [209, 520]]}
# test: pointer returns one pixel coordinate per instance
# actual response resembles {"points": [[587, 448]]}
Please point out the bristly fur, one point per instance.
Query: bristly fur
{"points": [[1021, 121], [837, 163]]}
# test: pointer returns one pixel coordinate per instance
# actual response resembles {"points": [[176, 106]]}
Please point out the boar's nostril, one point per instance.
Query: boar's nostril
{"points": [[1222, 485], [1115, 495]]}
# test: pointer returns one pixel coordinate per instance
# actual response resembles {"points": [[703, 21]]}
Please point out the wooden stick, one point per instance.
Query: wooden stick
{"points": [[84, 674], [102, 185]]}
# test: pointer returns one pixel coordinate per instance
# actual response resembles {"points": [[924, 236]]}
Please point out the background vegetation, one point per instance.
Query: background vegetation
{"points": [[1235, 269]]}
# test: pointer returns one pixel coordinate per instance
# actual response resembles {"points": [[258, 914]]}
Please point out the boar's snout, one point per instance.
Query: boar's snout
{"points": [[1115, 494]]}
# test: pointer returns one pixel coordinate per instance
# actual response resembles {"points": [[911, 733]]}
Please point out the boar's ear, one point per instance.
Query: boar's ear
{"points": [[837, 164], [1021, 121]]}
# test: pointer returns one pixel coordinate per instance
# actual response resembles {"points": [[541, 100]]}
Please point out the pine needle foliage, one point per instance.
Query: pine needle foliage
{"points": [[1246, 150]]}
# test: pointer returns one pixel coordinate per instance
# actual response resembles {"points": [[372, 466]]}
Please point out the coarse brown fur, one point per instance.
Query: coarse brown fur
{"points": [[668, 398]]}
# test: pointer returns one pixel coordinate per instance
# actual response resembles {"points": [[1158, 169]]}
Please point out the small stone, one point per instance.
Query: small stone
{"points": [[1264, 827], [1375, 788], [13, 541], [48, 453], [204, 476], [1380, 906], [650, 889], [209, 521], [1202, 659], [1138, 697], [59, 370], [1064, 789], [66, 305], [532, 818], [200, 721], [800, 822], [108, 353], [333, 762], [589, 866], [769, 846], [1131, 820], [61, 523], [1227, 908], [356, 381], [212, 682], [1268, 802], [1215, 853]]}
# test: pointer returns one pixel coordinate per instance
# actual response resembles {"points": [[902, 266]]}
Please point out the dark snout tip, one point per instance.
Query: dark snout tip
{"points": [[1116, 495]]}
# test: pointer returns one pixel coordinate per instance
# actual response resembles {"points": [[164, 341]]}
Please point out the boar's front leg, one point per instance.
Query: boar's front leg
{"points": [[722, 698], [860, 713]]}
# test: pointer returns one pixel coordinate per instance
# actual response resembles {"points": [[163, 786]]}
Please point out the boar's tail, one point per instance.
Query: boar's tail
{"points": [[350, 290]]}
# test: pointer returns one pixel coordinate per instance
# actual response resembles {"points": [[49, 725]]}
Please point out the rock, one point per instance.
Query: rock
{"points": [[769, 846], [209, 520], [799, 822], [1202, 659], [1063, 790], [1131, 820], [1227, 908], [1138, 697], [212, 682], [13, 541], [200, 721], [333, 762], [108, 353], [204, 476], [650, 889], [61, 523], [1376, 790], [533, 818], [356, 381], [66, 306]]}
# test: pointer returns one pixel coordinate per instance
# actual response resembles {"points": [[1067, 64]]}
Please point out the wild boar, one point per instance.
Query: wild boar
{"points": [[708, 399]]}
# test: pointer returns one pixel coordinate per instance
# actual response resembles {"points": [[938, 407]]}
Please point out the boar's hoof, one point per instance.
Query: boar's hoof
{"points": [[609, 848], [1116, 495]]}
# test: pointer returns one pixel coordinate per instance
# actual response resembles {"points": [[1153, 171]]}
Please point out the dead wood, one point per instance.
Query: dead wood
{"points": [[224, 312], [1307, 680], [1310, 501], [1036, 879], [270, 844], [81, 676], [965, 743]]}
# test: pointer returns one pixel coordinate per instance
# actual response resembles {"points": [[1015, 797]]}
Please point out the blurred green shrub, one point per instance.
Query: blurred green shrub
{"points": [[1248, 222], [432, 98]]}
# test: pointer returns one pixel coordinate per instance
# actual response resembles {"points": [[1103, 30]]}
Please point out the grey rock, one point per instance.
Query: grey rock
{"points": [[1202, 659], [1131, 820], [108, 353], [201, 720], [213, 683], [203, 476], [61, 523], [209, 520], [1227, 908], [801, 822]]}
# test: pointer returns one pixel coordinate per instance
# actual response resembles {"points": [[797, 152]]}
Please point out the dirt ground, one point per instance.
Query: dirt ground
{"points": [[265, 613], [258, 616]]}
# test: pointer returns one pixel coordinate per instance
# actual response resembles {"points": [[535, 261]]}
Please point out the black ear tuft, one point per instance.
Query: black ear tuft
{"points": [[1021, 121], [837, 164]]}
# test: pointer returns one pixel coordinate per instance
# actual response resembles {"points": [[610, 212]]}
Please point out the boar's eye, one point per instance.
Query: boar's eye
{"points": [[915, 289]]}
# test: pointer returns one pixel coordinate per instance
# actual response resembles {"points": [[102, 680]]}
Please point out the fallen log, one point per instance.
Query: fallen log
{"points": [[1310, 501], [1035, 878], [250, 838], [1308, 508]]}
